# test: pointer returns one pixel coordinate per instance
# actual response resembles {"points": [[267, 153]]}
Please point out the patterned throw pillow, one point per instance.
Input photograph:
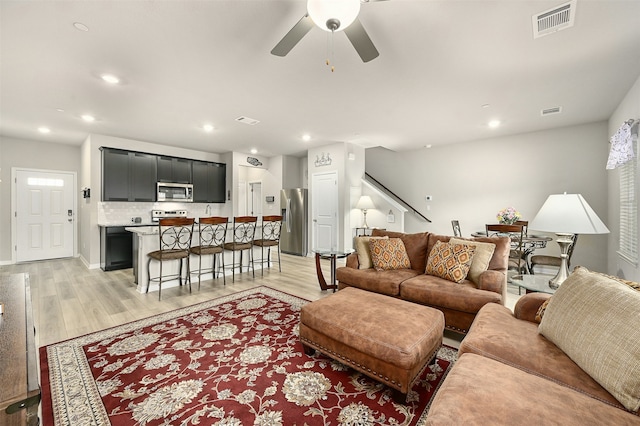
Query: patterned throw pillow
{"points": [[388, 254], [481, 258], [363, 249], [450, 261]]}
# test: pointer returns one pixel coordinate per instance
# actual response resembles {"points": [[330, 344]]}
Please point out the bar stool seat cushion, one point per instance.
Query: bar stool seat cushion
{"points": [[168, 254], [265, 243], [200, 250], [237, 246]]}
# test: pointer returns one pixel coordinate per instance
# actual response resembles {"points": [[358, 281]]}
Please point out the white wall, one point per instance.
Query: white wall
{"points": [[629, 108], [34, 155], [472, 181]]}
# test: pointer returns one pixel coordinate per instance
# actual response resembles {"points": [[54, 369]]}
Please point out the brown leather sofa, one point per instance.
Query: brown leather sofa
{"points": [[459, 302], [508, 373]]}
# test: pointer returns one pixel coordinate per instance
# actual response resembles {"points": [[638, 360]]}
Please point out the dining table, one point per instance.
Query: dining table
{"points": [[530, 243]]}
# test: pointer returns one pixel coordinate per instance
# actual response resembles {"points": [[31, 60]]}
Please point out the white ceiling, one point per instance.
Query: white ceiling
{"points": [[184, 63]]}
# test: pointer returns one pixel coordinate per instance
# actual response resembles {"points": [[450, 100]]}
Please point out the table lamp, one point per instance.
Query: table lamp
{"points": [[365, 203], [566, 214]]}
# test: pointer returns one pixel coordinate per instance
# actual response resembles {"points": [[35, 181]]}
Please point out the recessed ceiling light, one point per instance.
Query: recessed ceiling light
{"points": [[88, 118], [254, 151], [485, 105], [59, 110], [428, 146], [110, 78], [44, 130], [208, 128], [80, 26], [306, 137], [494, 124]]}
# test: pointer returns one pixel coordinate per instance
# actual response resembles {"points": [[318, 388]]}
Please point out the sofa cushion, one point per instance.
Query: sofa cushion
{"points": [[388, 254], [450, 261], [437, 292], [384, 282], [415, 244], [481, 391], [590, 318], [481, 258], [496, 333], [364, 252]]}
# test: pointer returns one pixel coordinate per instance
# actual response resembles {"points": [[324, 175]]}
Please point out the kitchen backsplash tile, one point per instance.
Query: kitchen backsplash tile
{"points": [[119, 213]]}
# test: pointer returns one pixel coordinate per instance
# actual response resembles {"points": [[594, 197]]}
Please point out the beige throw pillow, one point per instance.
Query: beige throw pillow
{"points": [[450, 261], [363, 250], [481, 258], [593, 319]]}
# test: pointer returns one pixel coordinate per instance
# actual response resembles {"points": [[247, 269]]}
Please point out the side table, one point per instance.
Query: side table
{"points": [[332, 255], [534, 283]]}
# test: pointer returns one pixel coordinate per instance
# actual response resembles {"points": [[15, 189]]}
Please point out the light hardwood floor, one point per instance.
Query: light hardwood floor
{"points": [[70, 300]]}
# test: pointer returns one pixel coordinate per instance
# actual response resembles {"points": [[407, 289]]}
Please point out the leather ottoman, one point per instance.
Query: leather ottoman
{"points": [[388, 339]]}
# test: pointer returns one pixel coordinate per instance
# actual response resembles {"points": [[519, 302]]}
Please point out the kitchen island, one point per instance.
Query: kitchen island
{"points": [[146, 240]]}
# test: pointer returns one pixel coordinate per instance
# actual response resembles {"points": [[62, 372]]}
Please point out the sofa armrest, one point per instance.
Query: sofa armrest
{"points": [[352, 261], [493, 281], [528, 305]]}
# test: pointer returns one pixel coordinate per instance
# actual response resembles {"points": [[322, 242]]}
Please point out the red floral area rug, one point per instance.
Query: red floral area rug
{"points": [[236, 360]]}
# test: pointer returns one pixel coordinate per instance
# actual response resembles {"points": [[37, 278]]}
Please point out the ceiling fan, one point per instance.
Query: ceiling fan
{"points": [[332, 16]]}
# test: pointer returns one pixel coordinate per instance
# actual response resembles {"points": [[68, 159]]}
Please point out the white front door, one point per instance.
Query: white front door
{"points": [[325, 211], [44, 214]]}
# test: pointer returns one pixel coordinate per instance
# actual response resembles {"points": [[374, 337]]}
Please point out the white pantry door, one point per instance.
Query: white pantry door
{"points": [[44, 215], [325, 211]]}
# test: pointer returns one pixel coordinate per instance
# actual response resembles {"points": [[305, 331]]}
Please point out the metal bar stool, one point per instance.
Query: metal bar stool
{"points": [[244, 229], [175, 241], [271, 226], [213, 233]]}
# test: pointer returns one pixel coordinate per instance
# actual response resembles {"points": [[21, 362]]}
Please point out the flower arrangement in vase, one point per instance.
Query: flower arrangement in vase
{"points": [[508, 216]]}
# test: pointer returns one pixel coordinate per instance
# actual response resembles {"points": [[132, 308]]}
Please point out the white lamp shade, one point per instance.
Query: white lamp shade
{"points": [[568, 214], [346, 11], [365, 203]]}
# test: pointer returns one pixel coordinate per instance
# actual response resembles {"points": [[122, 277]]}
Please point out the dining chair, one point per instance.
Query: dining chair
{"points": [[271, 226], [554, 261], [212, 233], [244, 230], [516, 254], [456, 228], [174, 243]]}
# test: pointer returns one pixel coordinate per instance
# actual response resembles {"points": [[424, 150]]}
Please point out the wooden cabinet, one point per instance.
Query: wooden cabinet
{"points": [[172, 169], [209, 182], [128, 176], [19, 387]]}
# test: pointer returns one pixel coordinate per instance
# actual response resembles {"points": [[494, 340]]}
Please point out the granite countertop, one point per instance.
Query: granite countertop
{"points": [[143, 229], [130, 224]]}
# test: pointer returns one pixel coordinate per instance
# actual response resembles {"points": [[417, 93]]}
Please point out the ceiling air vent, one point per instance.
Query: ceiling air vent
{"points": [[247, 120], [553, 20], [551, 111]]}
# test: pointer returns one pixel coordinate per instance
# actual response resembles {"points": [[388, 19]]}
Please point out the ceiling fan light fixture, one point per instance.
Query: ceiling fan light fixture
{"points": [[326, 14]]}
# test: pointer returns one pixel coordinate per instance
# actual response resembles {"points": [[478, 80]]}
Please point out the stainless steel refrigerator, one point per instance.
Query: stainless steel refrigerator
{"points": [[293, 237]]}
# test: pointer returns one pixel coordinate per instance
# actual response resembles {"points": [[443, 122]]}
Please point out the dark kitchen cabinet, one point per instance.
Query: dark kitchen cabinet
{"points": [[128, 176], [115, 175], [172, 169], [209, 182], [116, 248], [143, 174]]}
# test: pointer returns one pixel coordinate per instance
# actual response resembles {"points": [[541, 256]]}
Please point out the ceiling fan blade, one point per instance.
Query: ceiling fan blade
{"points": [[361, 41], [294, 35]]}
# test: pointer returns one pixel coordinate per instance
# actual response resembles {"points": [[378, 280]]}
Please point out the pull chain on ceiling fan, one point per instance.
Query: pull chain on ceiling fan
{"points": [[332, 16]]}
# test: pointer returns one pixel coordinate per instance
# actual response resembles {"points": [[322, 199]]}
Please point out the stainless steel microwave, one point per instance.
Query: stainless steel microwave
{"points": [[182, 192]]}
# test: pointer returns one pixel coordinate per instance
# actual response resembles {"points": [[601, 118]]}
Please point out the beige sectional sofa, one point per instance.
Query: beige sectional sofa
{"points": [[459, 302], [577, 365]]}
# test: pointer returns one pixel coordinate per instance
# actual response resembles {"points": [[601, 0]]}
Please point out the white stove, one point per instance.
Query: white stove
{"points": [[156, 215]]}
